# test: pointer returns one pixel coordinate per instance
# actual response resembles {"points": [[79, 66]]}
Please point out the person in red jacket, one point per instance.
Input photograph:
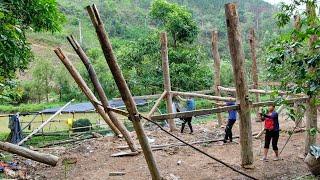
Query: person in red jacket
{"points": [[271, 125]]}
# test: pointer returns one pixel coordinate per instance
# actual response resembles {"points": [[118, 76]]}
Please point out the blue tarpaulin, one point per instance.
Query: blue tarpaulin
{"points": [[15, 135], [88, 107]]}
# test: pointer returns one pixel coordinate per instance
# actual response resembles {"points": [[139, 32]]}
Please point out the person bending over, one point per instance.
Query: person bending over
{"points": [[271, 125], [232, 117], [189, 106]]}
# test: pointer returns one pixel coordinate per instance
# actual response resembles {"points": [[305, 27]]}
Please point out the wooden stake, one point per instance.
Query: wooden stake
{"points": [[124, 90], [237, 57], [44, 123], [27, 153], [166, 77], [216, 66], [102, 96], [85, 89], [255, 78], [155, 106]]}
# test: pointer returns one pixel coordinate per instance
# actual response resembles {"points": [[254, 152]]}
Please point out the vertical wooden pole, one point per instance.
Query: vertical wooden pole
{"points": [[124, 90], [311, 112], [216, 67], [166, 77], [255, 77], [102, 96], [237, 57], [85, 89]]}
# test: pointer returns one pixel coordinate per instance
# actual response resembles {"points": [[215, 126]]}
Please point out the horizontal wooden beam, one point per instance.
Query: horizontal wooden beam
{"points": [[219, 109], [156, 96], [260, 91], [216, 98], [194, 113]]}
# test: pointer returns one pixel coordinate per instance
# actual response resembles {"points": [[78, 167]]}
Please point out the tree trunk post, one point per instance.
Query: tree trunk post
{"points": [[124, 90], [216, 67], [102, 96], [85, 89], [255, 77], [237, 57], [166, 77], [311, 112]]}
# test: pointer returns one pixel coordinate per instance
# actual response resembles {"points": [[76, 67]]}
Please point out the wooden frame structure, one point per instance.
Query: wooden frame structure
{"points": [[243, 105]]}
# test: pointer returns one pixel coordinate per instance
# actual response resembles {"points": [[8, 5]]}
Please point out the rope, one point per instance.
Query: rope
{"points": [[199, 150]]}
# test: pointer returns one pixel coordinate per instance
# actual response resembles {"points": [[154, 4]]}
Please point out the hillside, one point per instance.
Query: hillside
{"points": [[128, 24]]}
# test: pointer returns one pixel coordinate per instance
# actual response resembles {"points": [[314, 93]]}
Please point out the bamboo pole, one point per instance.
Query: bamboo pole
{"points": [[216, 66], [217, 98], [102, 96], [166, 77], [156, 104], [124, 90], [258, 91], [27, 153], [85, 89], [45, 123], [237, 57]]}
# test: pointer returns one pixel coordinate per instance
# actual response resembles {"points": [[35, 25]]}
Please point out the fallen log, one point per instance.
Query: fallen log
{"points": [[27, 153]]}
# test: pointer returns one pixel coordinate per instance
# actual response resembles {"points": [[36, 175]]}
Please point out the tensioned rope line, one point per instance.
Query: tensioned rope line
{"points": [[125, 113], [199, 150]]}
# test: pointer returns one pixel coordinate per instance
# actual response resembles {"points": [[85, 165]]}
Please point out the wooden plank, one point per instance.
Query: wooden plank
{"points": [[124, 90], [30, 154], [237, 59], [216, 67], [102, 96], [166, 77], [217, 98], [45, 123], [85, 89]]}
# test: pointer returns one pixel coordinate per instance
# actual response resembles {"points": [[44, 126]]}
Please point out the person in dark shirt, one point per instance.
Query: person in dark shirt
{"points": [[231, 120], [271, 125], [188, 106]]}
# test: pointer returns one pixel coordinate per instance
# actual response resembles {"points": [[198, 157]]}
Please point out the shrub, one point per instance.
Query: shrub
{"points": [[85, 123]]}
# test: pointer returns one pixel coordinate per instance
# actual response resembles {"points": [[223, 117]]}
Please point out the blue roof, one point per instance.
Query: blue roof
{"points": [[88, 107]]}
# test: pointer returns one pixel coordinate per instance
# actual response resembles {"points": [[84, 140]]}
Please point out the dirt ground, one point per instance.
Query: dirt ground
{"points": [[94, 161]]}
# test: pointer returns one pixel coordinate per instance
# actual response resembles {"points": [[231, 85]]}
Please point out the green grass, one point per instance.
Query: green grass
{"points": [[28, 107]]}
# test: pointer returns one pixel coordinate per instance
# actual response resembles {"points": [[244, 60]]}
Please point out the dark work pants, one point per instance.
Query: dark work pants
{"points": [[228, 130], [186, 120], [271, 136]]}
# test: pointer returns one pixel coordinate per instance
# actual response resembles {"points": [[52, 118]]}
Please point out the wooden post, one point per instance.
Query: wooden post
{"points": [[102, 96], [166, 77], [44, 123], [124, 90], [85, 89], [156, 104], [255, 77], [311, 112], [216, 66], [27, 153], [237, 57]]}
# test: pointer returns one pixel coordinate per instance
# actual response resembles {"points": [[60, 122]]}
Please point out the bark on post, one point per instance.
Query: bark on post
{"points": [[237, 57], [166, 77], [311, 112], [85, 89], [255, 77], [102, 96], [124, 90], [216, 67]]}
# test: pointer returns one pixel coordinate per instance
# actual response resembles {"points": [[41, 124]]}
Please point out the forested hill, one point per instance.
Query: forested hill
{"points": [[134, 35]]}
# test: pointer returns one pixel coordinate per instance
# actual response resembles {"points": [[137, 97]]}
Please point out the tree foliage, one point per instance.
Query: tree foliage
{"points": [[291, 56], [176, 19], [16, 18]]}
